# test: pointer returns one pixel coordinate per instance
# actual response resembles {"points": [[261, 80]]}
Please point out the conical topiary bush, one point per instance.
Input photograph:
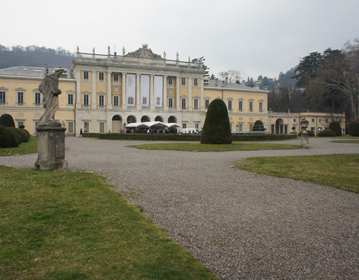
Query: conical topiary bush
{"points": [[216, 128]]}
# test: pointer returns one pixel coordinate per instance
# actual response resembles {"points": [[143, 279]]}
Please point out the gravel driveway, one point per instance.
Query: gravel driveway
{"points": [[239, 224]]}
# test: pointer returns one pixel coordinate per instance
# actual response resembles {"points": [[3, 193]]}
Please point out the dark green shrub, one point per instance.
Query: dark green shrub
{"points": [[355, 129], [258, 126], [310, 133], [22, 126], [7, 139], [350, 127], [216, 128], [326, 133], [25, 135], [17, 134], [335, 127], [7, 120]]}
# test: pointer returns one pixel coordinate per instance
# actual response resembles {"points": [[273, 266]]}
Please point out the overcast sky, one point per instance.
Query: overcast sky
{"points": [[257, 37]]}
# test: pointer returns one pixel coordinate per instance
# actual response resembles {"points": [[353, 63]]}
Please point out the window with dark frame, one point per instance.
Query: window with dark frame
{"points": [[70, 99], [183, 103], [170, 102], [86, 100], [37, 98], [206, 103], [115, 101], [2, 97], [100, 76], [240, 105], [250, 105], [20, 97], [115, 77], [183, 81], [86, 75]]}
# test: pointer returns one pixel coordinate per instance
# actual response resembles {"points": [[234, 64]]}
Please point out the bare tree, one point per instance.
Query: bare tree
{"points": [[231, 76]]}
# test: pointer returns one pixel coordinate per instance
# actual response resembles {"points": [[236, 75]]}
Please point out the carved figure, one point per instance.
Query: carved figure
{"points": [[49, 88]]}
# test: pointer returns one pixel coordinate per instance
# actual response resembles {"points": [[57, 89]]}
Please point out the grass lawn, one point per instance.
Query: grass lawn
{"points": [[354, 141], [339, 171], [197, 147], [66, 225], [24, 148]]}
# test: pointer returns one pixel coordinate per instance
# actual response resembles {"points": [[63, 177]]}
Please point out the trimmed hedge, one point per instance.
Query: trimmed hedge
{"points": [[326, 133], [7, 138], [350, 127], [17, 134], [216, 128], [335, 127], [7, 120], [355, 129], [310, 133], [25, 135], [183, 137]]}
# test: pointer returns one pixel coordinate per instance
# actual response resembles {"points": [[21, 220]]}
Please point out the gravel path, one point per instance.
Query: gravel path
{"points": [[239, 224]]}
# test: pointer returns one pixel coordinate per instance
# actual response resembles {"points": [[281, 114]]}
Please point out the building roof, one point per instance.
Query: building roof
{"points": [[34, 72], [214, 83]]}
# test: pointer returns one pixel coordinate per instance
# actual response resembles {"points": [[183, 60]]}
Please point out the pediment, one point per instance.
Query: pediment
{"points": [[20, 89]]}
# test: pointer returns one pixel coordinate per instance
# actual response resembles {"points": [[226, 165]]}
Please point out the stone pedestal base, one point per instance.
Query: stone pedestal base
{"points": [[51, 147], [304, 139]]}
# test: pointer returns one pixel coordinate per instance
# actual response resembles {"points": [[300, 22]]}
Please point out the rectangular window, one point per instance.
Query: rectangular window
{"points": [[70, 99], [240, 126], [37, 98], [260, 107], [170, 81], [100, 76], [86, 100], [101, 100], [230, 105], [206, 103], [240, 105], [183, 82], [115, 78], [320, 120], [2, 97], [183, 103], [294, 120], [251, 106], [195, 104], [195, 82], [196, 126], [86, 75], [184, 125], [313, 120], [20, 124], [170, 102], [70, 127], [250, 127], [115, 101], [20, 97]]}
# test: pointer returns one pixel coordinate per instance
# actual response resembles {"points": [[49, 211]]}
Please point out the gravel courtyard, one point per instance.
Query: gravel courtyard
{"points": [[241, 225]]}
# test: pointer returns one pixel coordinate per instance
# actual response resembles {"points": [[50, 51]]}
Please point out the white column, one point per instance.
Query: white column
{"points": [[152, 103], [94, 95], [190, 94], [124, 90], [178, 85], [109, 90], [138, 103], [202, 94], [78, 89], [165, 107]]}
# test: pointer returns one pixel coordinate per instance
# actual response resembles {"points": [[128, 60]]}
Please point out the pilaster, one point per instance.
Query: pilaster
{"points": [[124, 90], [78, 89], [152, 103], [109, 90], [94, 99], [165, 107], [190, 101], [202, 95], [138, 103], [178, 92]]}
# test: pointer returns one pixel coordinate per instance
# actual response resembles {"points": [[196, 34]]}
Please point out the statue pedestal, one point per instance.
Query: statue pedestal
{"points": [[51, 147], [304, 139]]}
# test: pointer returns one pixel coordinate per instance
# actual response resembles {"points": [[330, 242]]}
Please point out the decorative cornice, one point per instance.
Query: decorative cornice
{"points": [[144, 52], [20, 89]]}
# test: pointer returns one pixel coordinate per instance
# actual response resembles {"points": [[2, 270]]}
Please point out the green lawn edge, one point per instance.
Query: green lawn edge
{"points": [[72, 225], [337, 170]]}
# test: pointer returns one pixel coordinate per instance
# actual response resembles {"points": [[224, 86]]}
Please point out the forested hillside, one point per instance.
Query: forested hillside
{"points": [[34, 56]]}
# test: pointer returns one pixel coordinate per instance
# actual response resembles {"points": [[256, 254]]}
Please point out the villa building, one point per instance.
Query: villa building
{"points": [[104, 93]]}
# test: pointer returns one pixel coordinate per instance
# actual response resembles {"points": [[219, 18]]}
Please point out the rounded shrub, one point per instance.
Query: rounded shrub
{"points": [[326, 133], [25, 135], [216, 128], [258, 126], [17, 134], [335, 127], [7, 120], [310, 133], [7, 139], [355, 129]]}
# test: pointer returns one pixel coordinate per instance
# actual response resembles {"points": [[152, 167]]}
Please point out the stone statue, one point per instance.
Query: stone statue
{"points": [[164, 55], [49, 88], [123, 51], [177, 56]]}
